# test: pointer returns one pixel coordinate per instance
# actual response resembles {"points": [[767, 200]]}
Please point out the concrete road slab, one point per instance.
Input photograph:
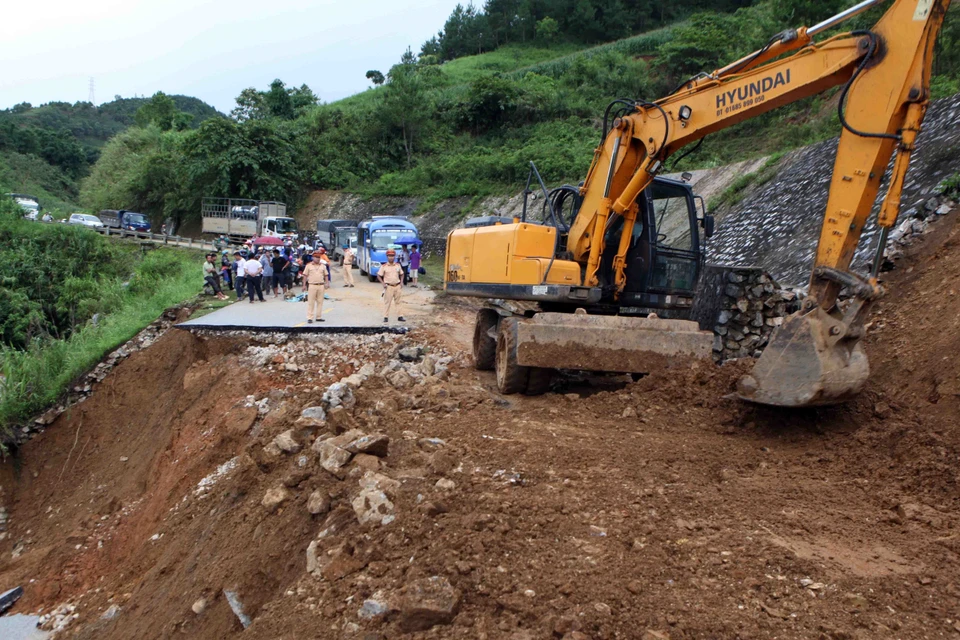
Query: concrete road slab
{"points": [[358, 308]]}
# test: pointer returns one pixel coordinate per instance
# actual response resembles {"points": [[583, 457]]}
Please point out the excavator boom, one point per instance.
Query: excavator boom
{"points": [[815, 357]]}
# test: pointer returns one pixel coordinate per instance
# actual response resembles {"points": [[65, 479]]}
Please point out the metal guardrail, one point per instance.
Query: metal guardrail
{"points": [[157, 238]]}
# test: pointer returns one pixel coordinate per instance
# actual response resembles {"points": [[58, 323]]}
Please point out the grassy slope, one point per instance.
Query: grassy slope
{"points": [[156, 280], [31, 175]]}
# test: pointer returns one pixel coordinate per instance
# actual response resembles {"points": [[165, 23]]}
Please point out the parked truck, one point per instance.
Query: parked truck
{"points": [[240, 219], [344, 237], [123, 219], [327, 229]]}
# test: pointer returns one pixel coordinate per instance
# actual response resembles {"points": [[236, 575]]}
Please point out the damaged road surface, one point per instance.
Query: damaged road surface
{"points": [[259, 485]]}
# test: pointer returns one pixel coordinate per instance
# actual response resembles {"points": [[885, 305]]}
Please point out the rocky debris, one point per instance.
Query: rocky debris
{"points": [[58, 619], [428, 602], [339, 394], [318, 503], [233, 599], [372, 503], [199, 606], [914, 223], [400, 379], [286, 442], [332, 457], [376, 444], [374, 607], [112, 612], [313, 417], [275, 497], [410, 354]]}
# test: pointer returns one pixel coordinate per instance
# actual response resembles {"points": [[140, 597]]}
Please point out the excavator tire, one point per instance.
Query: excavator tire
{"points": [[511, 377], [539, 380], [485, 346]]}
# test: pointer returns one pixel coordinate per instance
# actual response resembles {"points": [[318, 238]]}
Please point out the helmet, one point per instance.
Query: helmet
{"points": [[244, 253], [391, 252], [321, 250], [317, 253]]}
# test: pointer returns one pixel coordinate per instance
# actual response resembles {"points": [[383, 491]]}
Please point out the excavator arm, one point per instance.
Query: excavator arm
{"points": [[815, 357]]}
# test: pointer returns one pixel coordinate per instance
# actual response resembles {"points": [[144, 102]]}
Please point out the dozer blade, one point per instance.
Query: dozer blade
{"points": [[810, 361], [608, 343]]}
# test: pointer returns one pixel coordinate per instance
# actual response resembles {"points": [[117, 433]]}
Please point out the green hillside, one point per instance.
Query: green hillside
{"points": [[46, 150], [448, 122]]}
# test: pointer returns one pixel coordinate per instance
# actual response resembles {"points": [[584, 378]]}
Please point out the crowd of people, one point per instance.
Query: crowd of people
{"points": [[256, 271]]}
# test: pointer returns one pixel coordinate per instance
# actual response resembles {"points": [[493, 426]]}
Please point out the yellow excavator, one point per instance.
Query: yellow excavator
{"points": [[602, 282]]}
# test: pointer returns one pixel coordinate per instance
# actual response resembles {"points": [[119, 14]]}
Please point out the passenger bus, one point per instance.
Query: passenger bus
{"points": [[377, 234]]}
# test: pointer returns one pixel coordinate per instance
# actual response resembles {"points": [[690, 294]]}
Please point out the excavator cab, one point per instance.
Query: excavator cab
{"points": [[666, 253]]}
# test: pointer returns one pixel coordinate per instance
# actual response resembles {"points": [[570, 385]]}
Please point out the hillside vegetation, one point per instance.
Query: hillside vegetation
{"points": [[68, 296], [445, 123], [46, 150]]}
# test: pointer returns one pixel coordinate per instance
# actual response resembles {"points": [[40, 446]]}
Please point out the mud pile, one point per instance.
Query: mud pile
{"points": [[378, 487]]}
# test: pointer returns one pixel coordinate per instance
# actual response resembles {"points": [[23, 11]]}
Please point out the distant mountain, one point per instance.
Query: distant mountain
{"points": [[93, 126]]}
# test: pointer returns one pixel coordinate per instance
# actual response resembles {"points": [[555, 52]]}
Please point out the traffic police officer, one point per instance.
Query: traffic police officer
{"points": [[391, 275]]}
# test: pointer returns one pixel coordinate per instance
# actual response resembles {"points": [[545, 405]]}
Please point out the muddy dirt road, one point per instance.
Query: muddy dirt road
{"points": [[205, 477]]}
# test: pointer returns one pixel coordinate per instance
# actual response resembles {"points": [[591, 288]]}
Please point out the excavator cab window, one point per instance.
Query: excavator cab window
{"points": [[676, 252]]}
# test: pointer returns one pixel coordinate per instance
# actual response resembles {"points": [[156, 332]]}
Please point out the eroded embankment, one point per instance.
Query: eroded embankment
{"points": [[420, 503]]}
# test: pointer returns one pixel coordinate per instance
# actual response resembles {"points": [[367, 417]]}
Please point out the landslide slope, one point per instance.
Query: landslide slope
{"points": [[609, 508]]}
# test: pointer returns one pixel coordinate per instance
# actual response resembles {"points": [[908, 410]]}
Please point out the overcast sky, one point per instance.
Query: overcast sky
{"points": [[211, 49]]}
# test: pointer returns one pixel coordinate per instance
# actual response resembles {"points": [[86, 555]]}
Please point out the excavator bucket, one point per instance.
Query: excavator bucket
{"points": [[810, 361]]}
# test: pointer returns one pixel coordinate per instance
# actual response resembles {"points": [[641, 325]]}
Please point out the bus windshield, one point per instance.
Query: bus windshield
{"points": [[386, 238]]}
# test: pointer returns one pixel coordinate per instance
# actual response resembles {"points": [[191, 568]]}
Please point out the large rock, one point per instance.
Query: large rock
{"points": [[373, 505], [400, 379], [332, 457], [428, 602], [410, 354], [376, 444], [286, 442], [313, 417], [275, 497], [318, 503], [339, 394]]}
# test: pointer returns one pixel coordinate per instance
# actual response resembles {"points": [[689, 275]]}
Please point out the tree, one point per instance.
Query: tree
{"points": [[406, 102], [547, 29], [302, 98], [250, 106], [160, 110], [278, 101], [375, 77]]}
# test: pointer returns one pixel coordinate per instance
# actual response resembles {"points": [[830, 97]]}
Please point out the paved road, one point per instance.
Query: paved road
{"points": [[357, 308]]}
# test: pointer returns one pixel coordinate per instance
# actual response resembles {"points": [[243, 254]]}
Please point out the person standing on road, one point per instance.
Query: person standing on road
{"points": [[267, 263], [347, 266], [404, 260], [415, 264], [315, 279], [391, 275], [253, 271], [280, 268], [211, 277], [239, 276]]}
